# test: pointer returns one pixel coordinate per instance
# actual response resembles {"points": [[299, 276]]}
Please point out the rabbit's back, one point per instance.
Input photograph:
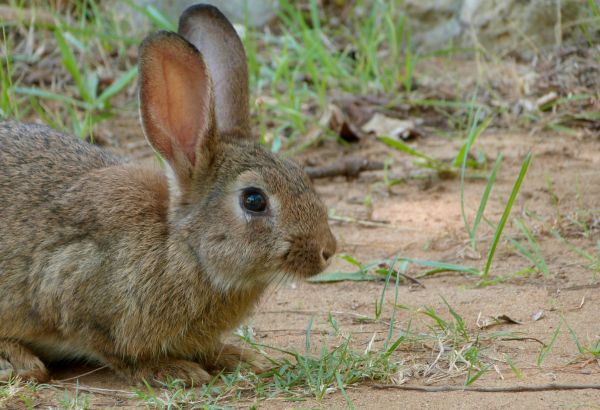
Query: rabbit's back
{"points": [[37, 166]]}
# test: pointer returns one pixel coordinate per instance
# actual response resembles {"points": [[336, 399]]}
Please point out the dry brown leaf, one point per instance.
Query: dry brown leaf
{"points": [[392, 127]]}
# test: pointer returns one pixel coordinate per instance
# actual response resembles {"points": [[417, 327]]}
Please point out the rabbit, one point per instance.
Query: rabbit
{"points": [[143, 269]]}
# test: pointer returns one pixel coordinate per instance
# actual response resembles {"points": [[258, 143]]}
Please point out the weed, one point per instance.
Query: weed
{"points": [[75, 401]]}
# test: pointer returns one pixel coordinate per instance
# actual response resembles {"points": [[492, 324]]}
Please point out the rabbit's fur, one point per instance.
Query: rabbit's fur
{"points": [[117, 263]]}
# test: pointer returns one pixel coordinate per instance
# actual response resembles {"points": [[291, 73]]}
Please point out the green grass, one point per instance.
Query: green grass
{"points": [[85, 100], [505, 215], [325, 367]]}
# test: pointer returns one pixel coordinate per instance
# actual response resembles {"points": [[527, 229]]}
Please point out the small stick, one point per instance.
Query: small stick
{"points": [[97, 390], [509, 389], [411, 279], [350, 167], [580, 287], [82, 375], [520, 339]]}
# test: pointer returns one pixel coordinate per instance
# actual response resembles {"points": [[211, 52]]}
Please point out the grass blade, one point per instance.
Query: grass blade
{"points": [[329, 277], [546, 349], [514, 368], [443, 266], [470, 380], [38, 92], [118, 85], [70, 63], [340, 384], [505, 215], [484, 200], [400, 146]]}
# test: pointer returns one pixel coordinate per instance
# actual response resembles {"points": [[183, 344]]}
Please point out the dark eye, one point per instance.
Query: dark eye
{"points": [[254, 200]]}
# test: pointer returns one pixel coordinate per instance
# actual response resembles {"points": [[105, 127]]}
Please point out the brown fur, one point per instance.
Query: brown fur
{"points": [[114, 262]]}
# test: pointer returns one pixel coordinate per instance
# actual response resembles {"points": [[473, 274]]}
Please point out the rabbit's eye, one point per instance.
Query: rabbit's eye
{"points": [[254, 200]]}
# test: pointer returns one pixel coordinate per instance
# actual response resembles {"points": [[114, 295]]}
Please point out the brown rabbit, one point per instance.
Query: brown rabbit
{"points": [[116, 263]]}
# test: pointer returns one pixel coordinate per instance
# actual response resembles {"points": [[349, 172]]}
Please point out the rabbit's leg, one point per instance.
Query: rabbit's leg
{"points": [[230, 357], [18, 361], [162, 371]]}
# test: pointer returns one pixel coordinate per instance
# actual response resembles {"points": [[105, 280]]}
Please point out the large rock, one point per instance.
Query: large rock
{"points": [[496, 25]]}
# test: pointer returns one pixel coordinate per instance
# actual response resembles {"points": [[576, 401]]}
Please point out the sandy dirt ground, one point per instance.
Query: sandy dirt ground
{"points": [[422, 220]]}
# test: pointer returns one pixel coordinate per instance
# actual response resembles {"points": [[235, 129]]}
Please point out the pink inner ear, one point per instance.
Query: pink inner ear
{"points": [[175, 95], [185, 108]]}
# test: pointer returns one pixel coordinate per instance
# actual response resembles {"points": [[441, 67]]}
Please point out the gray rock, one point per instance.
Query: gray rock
{"points": [[495, 25]]}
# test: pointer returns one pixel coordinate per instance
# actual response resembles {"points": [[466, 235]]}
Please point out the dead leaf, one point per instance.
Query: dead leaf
{"points": [[506, 319], [337, 121], [392, 127], [495, 321]]}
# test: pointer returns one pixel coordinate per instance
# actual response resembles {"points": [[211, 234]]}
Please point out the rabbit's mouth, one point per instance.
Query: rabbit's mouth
{"points": [[307, 257]]}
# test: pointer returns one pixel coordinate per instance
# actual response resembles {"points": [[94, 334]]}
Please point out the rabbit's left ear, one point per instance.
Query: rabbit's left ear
{"points": [[177, 104], [213, 35]]}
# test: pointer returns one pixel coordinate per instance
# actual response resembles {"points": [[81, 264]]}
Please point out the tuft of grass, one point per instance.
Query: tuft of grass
{"points": [[75, 400], [587, 350], [90, 46], [531, 250], [460, 347]]}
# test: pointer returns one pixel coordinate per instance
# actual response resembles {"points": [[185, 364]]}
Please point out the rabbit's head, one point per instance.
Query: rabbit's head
{"points": [[247, 215]]}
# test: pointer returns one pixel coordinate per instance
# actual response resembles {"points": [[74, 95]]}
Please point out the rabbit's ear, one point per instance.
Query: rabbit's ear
{"points": [[176, 102], [213, 35]]}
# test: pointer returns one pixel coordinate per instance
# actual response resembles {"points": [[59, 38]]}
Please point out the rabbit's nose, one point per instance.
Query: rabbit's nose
{"points": [[329, 249]]}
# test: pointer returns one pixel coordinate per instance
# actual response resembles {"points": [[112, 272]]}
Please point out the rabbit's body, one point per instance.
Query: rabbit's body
{"points": [[118, 263], [108, 287], [62, 264]]}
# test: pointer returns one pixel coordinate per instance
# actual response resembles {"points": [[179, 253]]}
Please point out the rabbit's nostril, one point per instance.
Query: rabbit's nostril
{"points": [[325, 254]]}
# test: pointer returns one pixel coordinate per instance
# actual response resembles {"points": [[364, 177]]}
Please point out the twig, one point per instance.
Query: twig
{"points": [[580, 287], [82, 375], [97, 390], [411, 279], [350, 167], [520, 339], [509, 389]]}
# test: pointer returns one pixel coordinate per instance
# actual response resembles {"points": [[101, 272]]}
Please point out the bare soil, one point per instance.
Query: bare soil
{"points": [[423, 220]]}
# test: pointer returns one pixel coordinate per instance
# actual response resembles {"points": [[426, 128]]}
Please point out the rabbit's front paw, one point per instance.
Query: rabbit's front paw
{"points": [[6, 370], [18, 361], [229, 357], [191, 374]]}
